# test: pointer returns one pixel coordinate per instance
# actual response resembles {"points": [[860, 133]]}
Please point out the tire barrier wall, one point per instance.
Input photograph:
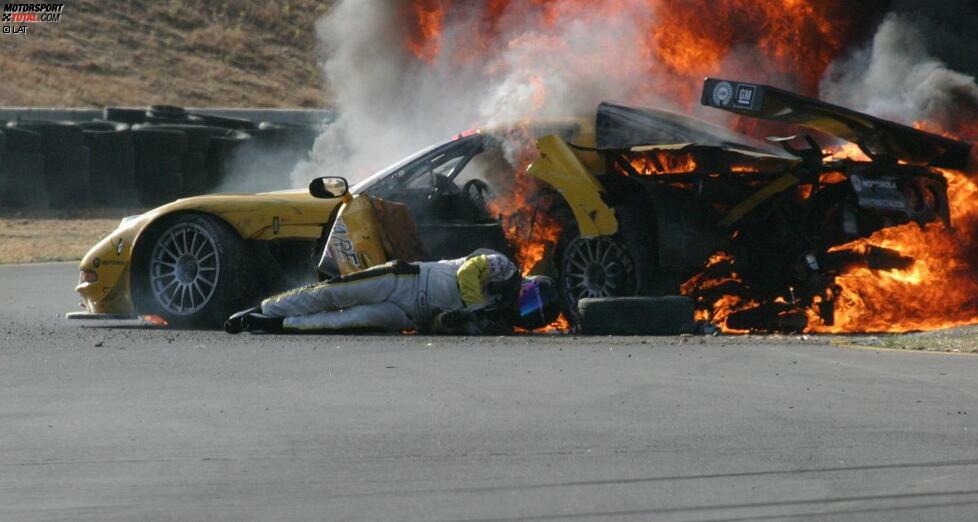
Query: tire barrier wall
{"points": [[22, 170], [143, 157]]}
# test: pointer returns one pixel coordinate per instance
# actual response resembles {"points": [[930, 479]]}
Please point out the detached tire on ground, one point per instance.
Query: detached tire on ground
{"points": [[669, 315], [194, 271]]}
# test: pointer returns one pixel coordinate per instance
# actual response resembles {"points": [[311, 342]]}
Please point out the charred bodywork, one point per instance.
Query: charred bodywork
{"points": [[713, 214]]}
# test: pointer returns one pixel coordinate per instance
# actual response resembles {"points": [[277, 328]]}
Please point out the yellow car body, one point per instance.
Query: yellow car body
{"points": [[105, 283], [572, 157], [269, 216]]}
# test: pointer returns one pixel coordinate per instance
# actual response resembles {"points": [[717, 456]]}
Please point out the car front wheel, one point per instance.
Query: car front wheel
{"points": [[194, 272]]}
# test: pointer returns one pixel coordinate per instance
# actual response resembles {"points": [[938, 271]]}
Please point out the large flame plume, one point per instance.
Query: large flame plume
{"points": [[940, 288]]}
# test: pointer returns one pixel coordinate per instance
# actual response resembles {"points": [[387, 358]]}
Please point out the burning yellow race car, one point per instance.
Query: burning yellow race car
{"points": [[635, 203]]}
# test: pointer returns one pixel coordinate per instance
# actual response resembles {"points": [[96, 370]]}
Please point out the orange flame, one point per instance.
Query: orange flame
{"points": [[940, 288], [155, 320], [424, 41], [664, 162], [846, 151], [788, 42]]}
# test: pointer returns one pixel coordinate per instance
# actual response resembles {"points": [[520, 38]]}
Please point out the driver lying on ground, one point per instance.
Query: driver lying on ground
{"points": [[481, 293]]}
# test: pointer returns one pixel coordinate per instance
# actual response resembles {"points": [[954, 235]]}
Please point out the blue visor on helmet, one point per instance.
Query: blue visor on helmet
{"points": [[530, 300]]}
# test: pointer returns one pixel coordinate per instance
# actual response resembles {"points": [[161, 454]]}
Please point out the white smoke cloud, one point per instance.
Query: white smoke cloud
{"points": [[897, 78], [391, 103]]}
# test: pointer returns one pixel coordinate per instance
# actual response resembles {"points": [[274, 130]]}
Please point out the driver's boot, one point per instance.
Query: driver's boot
{"points": [[235, 323], [258, 322]]}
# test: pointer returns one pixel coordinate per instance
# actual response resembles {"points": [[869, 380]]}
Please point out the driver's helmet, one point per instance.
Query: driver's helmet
{"points": [[538, 303]]}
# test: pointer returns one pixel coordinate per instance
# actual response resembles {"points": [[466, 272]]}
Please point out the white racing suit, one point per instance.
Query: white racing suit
{"points": [[393, 296]]}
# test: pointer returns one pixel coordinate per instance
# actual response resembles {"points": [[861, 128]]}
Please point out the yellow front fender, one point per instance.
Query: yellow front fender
{"points": [[560, 167]]}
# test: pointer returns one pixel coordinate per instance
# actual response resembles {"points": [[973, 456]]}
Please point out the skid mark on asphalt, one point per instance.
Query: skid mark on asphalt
{"points": [[751, 505], [641, 480]]}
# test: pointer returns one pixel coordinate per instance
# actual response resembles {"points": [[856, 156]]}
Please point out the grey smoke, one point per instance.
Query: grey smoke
{"points": [[391, 104], [900, 76]]}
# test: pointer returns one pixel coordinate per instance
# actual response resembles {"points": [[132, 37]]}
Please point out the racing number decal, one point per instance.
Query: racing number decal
{"points": [[341, 245]]}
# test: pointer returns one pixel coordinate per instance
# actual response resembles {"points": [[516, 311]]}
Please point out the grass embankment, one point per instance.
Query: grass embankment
{"points": [[246, 53], [48, 235]]}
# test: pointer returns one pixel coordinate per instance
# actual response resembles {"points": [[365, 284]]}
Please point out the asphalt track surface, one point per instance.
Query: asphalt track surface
{"points": [[125, 422]]}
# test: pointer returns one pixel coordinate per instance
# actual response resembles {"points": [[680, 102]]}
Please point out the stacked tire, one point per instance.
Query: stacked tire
{"points": [[150, 156], [193, 164], [66, 175], [111, 165], [124, 115], [220, 156], [22, 170], [265, 162], [158, 164]]}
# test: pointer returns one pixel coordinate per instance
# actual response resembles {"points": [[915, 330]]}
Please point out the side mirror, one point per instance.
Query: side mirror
{"points": [[328, 187]]}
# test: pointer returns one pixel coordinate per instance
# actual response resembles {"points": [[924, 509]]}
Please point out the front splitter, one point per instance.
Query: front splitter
{"points": [[99, 317]]}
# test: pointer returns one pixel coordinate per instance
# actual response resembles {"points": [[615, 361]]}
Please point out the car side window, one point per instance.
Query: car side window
{"points": [[489, 165], [442, 165], [420, 174]]}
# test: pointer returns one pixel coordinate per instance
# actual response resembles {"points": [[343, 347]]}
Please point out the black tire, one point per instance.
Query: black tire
{"points": [[22, 170], [296, 137], [224, 144], [66, 174], [580, 276], [669, 315], [274, 151], [195, 179], [111, 164], [124, 115], [21, 140], [159, 170], [225, 122], [3, 173], [169, 114], [233, 285]]}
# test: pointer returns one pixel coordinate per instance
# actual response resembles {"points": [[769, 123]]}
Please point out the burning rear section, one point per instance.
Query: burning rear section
{"points": [[786, 235], [878, 240]]}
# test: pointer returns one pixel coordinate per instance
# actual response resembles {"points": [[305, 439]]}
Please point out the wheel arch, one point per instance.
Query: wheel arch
{"points": [[141, 248]]}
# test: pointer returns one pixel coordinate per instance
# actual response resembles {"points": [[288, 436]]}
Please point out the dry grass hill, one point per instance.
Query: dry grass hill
{"points": [[252, 53]]}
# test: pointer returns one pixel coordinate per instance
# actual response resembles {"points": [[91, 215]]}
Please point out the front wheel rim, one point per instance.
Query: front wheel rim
{"points": [[185, 268]]}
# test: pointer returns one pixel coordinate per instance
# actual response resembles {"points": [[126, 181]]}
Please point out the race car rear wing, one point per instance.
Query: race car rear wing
{"points": [[876, 137]]}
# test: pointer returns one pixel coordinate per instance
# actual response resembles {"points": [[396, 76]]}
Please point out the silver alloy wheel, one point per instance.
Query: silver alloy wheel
{"points": [[596, 267], [184, 269]]}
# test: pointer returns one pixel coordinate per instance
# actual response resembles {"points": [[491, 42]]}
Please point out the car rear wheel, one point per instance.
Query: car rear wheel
{"points": [[195, 272], [595, 267]]}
